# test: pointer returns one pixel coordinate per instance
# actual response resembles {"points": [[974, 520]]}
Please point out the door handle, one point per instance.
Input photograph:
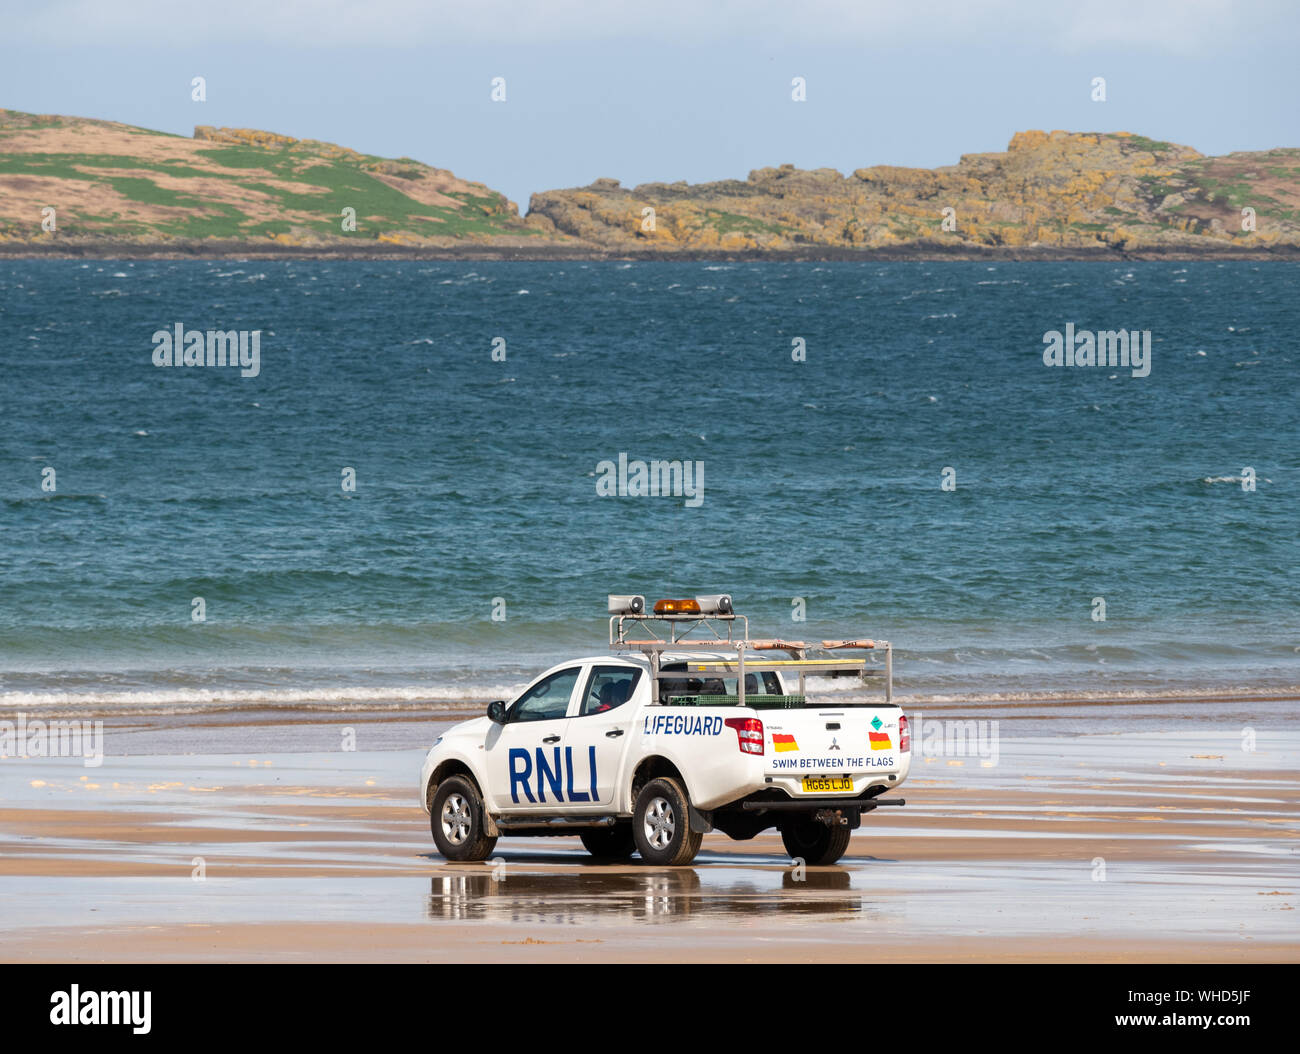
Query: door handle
{"points": [[614, 734], [551, 739]]}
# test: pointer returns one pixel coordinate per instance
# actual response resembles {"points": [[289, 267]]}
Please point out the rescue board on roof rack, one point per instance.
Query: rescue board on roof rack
{"points": [[687, 726]]}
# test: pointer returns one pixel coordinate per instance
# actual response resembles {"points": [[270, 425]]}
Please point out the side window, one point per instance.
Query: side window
{"points": [[547, 699], [608, 687]]}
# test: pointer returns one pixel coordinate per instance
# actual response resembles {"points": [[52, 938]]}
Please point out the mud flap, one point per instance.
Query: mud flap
{"points": [[700, 822]]}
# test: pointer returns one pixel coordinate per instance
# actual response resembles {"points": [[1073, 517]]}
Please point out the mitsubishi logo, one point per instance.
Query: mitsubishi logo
{"points": [[835, 744]]}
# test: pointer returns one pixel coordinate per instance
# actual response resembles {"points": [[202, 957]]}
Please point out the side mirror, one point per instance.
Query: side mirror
{"points": [[497, 711]]}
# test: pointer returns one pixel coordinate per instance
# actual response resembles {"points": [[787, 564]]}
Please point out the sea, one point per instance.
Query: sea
{"points": [[413, 499]]}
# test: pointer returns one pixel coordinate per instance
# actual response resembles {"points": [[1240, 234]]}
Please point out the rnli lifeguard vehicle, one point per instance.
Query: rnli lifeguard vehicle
{"points": [[688, 726]]}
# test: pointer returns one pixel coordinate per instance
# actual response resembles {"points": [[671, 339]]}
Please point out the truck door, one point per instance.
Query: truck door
{"points": [[526, 755], [600, 729]]}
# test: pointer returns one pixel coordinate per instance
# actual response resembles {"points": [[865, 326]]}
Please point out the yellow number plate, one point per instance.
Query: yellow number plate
{"points": [[822, 784]]}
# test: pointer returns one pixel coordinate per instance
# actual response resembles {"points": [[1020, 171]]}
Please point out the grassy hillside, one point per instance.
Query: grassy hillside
{"points": [[117, 182]]}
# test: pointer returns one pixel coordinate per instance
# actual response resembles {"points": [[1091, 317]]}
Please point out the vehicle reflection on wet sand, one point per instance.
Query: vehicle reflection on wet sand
{"points": [[548, 898]]}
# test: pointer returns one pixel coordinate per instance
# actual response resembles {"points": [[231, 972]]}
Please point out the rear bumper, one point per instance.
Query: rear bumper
{"points": [[859, 805], [833, 812]]}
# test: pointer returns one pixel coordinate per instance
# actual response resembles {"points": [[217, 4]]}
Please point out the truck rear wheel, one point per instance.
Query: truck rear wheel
{"points": [[661, 824], [815, 842], [609, 843], [456, 819]]}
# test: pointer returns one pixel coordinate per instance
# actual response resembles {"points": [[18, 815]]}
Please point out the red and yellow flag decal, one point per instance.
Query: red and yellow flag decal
{"points": [[782, 743], [880, 741]]}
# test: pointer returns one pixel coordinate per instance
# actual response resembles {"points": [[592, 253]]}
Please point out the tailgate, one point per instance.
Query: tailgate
{"points": [[826, 741]]}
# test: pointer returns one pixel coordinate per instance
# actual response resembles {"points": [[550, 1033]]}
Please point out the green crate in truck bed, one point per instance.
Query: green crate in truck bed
{"points": [[757, 701]]}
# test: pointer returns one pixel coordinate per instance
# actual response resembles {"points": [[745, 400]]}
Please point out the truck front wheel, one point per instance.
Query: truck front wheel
{"points": [[815, 842], [456, 819], [661, 824]]}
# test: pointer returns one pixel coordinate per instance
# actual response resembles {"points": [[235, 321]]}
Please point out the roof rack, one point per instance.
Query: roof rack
{"points": [[717, 630]]}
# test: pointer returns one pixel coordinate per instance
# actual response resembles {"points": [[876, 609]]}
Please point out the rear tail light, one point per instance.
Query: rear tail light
{"points": [[749, 731], [904, 735]]}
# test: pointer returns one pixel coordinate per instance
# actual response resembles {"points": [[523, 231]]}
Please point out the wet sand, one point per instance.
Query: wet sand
{"points": [[1139, 846]]}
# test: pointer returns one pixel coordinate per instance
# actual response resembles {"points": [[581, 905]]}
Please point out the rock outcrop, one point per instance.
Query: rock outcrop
{"points": [[1057, 190]]}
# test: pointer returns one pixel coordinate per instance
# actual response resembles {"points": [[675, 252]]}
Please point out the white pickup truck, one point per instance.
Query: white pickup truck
{"points": [[648, 750]]}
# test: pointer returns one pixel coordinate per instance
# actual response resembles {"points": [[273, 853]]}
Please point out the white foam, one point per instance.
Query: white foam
{"points": [[312, 698]]}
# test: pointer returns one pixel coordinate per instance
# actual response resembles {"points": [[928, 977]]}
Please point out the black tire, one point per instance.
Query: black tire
{"points": [[661, 824], [814, 842], [609, 843], [456, 820]]}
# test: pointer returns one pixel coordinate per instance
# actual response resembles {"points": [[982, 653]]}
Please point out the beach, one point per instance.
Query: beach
{"points": [[274, 590], [1161, 842]]}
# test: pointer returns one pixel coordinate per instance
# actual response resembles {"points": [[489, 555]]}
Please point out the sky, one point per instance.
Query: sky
{"points": [[666, 90]]}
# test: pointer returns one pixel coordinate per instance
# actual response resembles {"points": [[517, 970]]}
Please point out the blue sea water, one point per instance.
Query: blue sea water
{"points": [[477, 479]]}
